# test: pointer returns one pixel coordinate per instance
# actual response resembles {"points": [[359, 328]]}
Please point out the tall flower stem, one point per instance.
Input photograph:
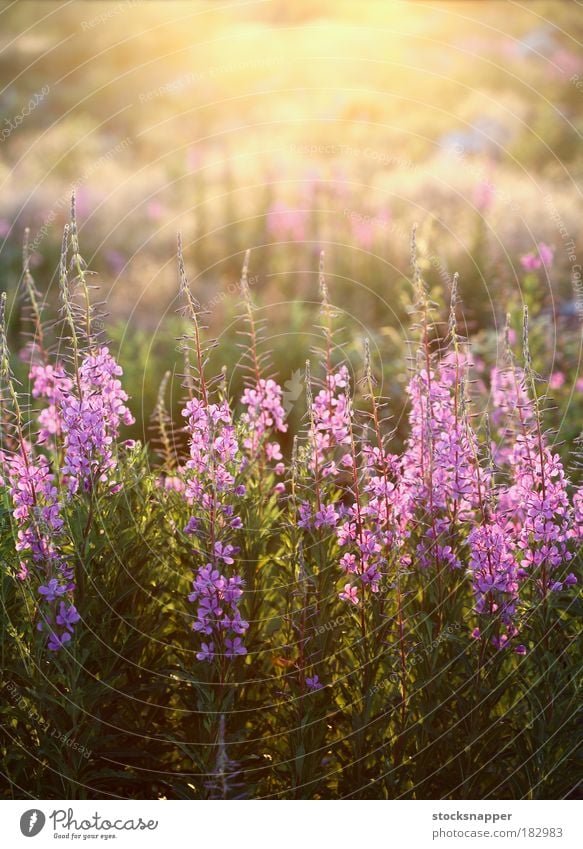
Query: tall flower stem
{"points": [[369, 379]]}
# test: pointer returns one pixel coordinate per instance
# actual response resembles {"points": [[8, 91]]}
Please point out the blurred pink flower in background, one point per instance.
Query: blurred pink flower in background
{"points": [[569, 63], [556, 380], [534, 261], [530, 262], [484, 195], [284, 222], [383, 218], [363, 232], [579, 385], [367, 228], [193, 159], [155, 210], [4, 227]]}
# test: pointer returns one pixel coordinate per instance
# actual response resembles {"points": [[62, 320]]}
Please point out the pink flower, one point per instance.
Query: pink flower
{"points": [[330, 412], [534, 261], [350, 594], [484, 195], [326, 516], [546, 254], [557, 379], [264, 414], [349, 563], [155, 210]]}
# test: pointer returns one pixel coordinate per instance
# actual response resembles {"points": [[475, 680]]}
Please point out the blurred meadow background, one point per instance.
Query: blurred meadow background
{"points": [[291, 128]]}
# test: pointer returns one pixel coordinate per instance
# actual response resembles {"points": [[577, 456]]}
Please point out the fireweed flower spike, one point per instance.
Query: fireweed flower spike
{"points": [[540, 490], [49, 382], [93, 408], [263, 397], [437, 466], [211, 488], [360, 519], [527, 522], [329, 408], [37, 515], [535, 503]]}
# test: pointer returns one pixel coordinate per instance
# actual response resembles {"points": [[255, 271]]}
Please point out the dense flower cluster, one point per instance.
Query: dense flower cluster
{"points": [[91, 413], [329, 430], [330, 412], [213, 448], [210, 482], [438, 505], [264, 414], [497, 511], [218, 612], [37, 513], [79, 423], [52, 384], [494, 573], [439, 463]]}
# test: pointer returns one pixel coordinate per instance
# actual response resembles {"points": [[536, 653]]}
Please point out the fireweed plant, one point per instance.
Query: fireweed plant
{"points": [[206, 617]]}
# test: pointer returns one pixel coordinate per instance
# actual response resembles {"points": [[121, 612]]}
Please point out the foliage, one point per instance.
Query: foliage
{"points": [[199, 617]]}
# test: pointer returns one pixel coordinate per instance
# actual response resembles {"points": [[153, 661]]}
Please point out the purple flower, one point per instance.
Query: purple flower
{"points": [[234, 647], [326, 516], [570, 580], [56, 642], [67, 616], [207, 652], [91, 416], [210, 476], [191, 526], [225, 552], [305, 511], [52, 590]]}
